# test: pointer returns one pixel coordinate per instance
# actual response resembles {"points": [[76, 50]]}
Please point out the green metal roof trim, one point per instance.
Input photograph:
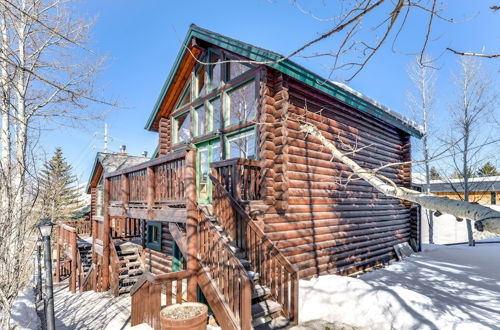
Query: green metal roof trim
{"points": [[292, 69]]}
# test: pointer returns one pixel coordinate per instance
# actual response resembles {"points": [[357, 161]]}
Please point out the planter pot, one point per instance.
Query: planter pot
{"points": [[188, 315]]}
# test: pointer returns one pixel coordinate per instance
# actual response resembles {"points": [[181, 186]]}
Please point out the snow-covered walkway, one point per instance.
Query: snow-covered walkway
{"points": [[90, 310], [444, 287]]}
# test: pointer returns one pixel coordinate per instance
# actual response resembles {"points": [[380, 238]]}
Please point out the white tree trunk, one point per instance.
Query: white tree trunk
{"points": [[485, 217]]}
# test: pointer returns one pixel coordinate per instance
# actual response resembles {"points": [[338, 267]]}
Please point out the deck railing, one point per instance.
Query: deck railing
{"points": [[240, 177], [83, 227], [152, 184], [276, 272], [226, 271], [67, 249], [147, 298], [125, 228]]}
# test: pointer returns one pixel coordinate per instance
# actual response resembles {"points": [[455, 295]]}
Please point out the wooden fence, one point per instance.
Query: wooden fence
{"points": [[240, 177], [147, 296]]}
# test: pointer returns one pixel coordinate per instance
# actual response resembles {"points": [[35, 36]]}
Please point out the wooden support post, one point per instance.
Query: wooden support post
{"points": [[58, 255], [105, 238], [150, 179], [74, 262], [191, 223]]}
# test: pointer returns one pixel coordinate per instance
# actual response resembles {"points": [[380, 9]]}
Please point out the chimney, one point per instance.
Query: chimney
{"points": [[144, 154], [122, 149]]}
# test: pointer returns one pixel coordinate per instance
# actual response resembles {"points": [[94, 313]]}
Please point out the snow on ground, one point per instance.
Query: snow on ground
{"points": [[448, 230], [90, 310], [444, 287], [23, 314]]}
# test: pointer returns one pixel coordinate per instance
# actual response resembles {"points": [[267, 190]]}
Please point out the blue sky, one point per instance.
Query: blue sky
{"points": [[142, 39]]}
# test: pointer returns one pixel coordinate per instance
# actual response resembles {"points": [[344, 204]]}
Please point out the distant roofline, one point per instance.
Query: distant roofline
{"points": [[338, 90]]}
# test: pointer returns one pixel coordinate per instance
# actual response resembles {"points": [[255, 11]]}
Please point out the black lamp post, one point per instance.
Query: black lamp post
{"points": [[45, 227], [39, 264]]}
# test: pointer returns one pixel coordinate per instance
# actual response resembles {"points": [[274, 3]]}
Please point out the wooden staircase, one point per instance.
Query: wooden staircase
{"points": [[85, 252], [266, 312], [129, 267]]}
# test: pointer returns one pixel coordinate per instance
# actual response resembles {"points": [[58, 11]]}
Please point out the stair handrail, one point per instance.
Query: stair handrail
{"points": [[87, 277], [263, 255], [146, 295], [220, 263]]}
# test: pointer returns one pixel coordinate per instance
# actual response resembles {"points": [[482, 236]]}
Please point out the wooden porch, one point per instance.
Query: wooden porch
{"points": [[239, 270]]}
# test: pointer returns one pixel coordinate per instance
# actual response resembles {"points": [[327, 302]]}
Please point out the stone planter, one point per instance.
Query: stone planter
{"points": [[190, 315]]}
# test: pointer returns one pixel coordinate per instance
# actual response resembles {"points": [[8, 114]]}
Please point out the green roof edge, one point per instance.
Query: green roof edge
{"points": [[287, 67]]}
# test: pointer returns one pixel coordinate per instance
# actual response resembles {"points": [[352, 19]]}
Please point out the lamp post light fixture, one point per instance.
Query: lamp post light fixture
{"points": [[45, 227]]}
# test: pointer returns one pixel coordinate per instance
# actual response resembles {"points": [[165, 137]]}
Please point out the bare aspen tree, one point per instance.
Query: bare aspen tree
{"points": [[421, 101], [47, 79], [469, 130], [486, 219]]}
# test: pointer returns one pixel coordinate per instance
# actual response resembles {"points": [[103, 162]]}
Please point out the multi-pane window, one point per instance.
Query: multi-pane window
{"points": [[199, 115], [241, 104], [216, 71], [241, 145], [183, 127], [200, 81], [216, 107], [99, 200], [237, 69], [202, 121]]}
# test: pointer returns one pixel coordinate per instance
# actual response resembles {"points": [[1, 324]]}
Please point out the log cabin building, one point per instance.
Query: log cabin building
{"points": [[249, 201]]}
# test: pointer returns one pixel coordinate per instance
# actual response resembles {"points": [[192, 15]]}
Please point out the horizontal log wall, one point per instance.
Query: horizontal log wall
{"points": [[165, 136], [323, 222]]}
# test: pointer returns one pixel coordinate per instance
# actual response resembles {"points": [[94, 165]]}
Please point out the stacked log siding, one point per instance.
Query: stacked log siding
{"points": [[328, 222]]}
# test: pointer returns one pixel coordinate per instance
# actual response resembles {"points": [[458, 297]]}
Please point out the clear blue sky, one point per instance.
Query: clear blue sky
{"points": [[143, 37]]}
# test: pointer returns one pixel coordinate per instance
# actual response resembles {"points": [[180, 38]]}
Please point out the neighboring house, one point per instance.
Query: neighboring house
{"points": [[446, 230], [107, 163], [482, 190], [252, 203]]}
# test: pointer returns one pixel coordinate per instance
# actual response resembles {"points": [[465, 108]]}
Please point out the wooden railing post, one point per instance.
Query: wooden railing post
{"points": [[125, 191], [191, 223], [74, 262], [150, 179], [105, 238], [58, 255]]}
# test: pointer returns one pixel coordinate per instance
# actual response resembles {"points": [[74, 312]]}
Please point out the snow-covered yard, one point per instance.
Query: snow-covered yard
{"points": [[90, 310], [444, 287]]}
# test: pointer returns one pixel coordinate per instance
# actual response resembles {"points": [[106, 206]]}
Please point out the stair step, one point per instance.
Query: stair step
{"points": [[262, 311], [260, 291], [129, 257], [253, 276], [124, 289], [280, 322], [129, 280], [245, 263]]}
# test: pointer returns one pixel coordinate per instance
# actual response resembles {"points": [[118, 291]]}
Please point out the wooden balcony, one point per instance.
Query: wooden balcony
{"points": [[152, 190]]}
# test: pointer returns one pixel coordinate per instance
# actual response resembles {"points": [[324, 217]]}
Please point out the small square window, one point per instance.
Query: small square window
{"points": [[153, 235], [242, 145]]}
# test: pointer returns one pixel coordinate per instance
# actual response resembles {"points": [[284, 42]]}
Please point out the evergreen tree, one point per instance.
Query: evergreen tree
{"points": [[435, 175], [57, 195], [487, 170], [460, 175]]}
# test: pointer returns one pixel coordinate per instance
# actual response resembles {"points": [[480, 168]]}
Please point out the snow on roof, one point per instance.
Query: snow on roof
{"points": [[114, 162], [483, 183], [379, 105]]}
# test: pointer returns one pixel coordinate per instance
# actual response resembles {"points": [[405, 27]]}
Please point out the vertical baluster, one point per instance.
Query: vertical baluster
{"points": [[286, 302]]}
